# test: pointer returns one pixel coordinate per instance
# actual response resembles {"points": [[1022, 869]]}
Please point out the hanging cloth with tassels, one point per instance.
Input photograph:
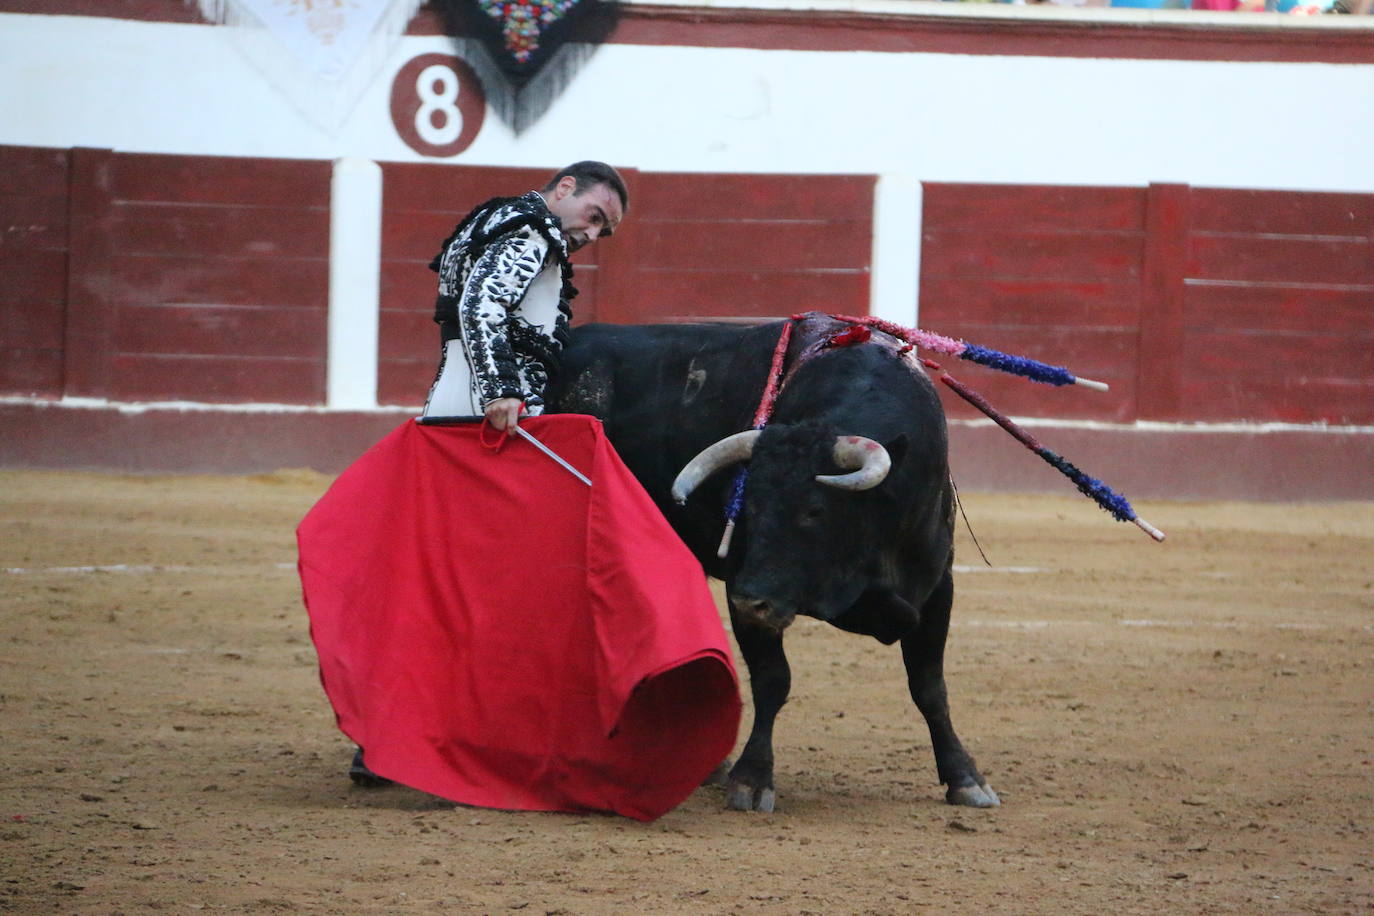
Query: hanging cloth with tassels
{"points": [[322, 54], [526, 52]]}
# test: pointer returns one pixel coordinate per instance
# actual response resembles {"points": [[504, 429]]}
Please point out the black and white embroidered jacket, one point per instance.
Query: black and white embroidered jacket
{"points": [[504, 288]]}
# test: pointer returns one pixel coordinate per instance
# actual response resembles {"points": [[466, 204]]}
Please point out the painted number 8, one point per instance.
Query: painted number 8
{"points": [[437, 87], [437, 104]]}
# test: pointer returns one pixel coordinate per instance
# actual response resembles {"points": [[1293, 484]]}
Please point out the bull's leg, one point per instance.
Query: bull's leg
{"points": [[750, 786], [923, 651]]}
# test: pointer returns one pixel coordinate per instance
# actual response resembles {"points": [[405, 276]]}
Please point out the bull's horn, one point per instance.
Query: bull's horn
{"points": [[728, 451], [867, 461]]}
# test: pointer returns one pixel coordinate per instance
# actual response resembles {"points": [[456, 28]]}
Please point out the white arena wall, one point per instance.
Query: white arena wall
{"points": [[179, 88]]}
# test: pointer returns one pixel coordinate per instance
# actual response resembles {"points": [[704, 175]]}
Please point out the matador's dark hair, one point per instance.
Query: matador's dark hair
{"points": [[590, 173]]}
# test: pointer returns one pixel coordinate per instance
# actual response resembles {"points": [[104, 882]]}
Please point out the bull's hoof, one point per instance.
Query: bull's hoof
{"points": [[979, 796], [362, 776], [748, 798]]}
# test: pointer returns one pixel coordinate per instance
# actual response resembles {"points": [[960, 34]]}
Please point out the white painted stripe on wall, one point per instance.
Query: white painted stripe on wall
{"points": [[355, 258], [895, 275]]}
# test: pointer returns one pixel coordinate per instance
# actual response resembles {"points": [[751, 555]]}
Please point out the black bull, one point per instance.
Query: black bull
{"points": [[875, 561]]}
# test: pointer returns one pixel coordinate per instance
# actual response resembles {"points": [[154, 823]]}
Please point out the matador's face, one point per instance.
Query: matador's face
{"points": [[586, 214]]}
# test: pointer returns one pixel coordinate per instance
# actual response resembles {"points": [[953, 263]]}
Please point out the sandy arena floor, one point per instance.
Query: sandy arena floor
{"points": [[1176, 728]]}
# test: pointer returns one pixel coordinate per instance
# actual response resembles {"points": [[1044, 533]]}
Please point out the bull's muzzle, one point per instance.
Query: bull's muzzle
{"points": [[761, 612]]}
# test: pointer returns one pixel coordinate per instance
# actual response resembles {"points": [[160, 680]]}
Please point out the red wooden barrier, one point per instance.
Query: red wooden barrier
{"points": [[216, 288], [1194, 303], [145, 277], [1279, 299], [745, 247], [33, 262], [1049, 272]]}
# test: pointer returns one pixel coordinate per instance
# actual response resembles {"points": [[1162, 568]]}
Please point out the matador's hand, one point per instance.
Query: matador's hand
{"points": [[503, 413]]}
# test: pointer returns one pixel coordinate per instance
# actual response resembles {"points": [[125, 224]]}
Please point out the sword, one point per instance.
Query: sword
{"points": [[551, 453]]}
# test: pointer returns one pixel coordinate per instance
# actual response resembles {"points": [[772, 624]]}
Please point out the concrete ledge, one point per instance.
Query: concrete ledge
{"points": [[1231, 461], [190, 439]]}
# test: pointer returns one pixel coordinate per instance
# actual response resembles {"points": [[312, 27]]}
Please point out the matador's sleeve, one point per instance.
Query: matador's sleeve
{"points": [[496, 284]]}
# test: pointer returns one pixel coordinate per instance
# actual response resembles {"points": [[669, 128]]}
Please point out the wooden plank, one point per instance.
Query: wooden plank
{"points": [[707, 196], [1298, 213], [990, 302], [199, 231], [1279, 399], [589, 281], [1102, 355], [34, 171], [221, 331], [1348, 261], [217, 379], [30, 372], [279, 183], [90, 312], [1247, 307], [32, 324], [415, 237], [34, 187], [33, 223], [33, 276], [1031, 208], [1004, 396], [453, 190], [1165, 263], [1232, 357], [189, 280], [1009, 252], [404, 382], [406, 286], [753, 246], [1290, 377], [150, 10], [676, 294], [407, 335]]}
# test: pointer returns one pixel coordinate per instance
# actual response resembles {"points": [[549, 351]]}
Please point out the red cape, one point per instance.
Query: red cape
{"points": [[493, 631]]}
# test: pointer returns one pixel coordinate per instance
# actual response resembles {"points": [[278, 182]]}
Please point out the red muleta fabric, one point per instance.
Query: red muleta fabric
{"points": [[495, 632]]}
